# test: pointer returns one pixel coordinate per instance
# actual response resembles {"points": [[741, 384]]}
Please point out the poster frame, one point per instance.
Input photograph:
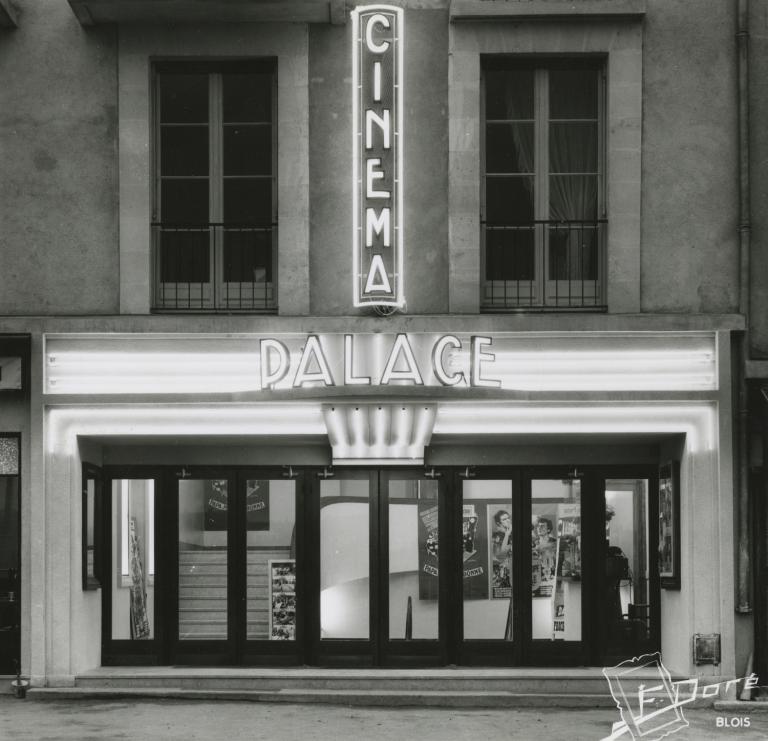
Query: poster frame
{"points": [[271, 563], [669, 519]]}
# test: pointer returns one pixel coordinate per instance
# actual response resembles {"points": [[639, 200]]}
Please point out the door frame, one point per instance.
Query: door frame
{"points": [[479, 651], [414, 652], [601, 653], [378, 650], [128, 652], [342, 652], [266, 652]]}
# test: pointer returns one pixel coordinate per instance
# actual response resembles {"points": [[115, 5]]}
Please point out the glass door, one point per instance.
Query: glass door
{"points": [[205, 579], [411, 510], [270, 589], [556, 601], [629, 591], [489, 524], [378, 579], [131, 578], [345, 575]]}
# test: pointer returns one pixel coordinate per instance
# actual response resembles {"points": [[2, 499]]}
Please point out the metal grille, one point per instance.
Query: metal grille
{"points": [[544, 265], [214, 267]]}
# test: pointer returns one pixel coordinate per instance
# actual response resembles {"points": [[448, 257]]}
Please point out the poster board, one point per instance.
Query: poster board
{"points": [[282, 599], [216, 496], [669, 525]]}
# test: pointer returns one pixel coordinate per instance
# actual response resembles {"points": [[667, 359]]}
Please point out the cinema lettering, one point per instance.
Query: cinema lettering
{"points": [[377, 360], [377, 80]]}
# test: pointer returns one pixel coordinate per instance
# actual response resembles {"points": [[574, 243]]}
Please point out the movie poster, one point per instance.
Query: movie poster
{"points": [[475, 551], [257, 504], [428, 550], [543, 553], [499, 519], [558, 626], [282, 600], [217, 504], [569, 541], [666, 529]]}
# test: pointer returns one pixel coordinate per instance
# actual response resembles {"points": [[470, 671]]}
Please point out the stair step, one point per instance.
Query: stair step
{"points": [[391, 698]]}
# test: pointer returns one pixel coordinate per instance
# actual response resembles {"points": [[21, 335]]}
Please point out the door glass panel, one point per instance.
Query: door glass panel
{"points": [[556, 559], [487, 559], [413, 559], [270, 514], [344, 558], [133, 559], [626, 601], [203, 519], [90, 577], [9, 572]]}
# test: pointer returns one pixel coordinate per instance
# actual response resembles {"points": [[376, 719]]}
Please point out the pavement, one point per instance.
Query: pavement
{"points": [[171, 720]]}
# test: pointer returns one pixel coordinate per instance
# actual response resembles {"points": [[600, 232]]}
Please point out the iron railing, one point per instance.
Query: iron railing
{"points": [[214, 267], [544, 265]]}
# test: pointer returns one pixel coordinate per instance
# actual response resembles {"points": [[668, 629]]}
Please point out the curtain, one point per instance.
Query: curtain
{"points": [[573, 149]]}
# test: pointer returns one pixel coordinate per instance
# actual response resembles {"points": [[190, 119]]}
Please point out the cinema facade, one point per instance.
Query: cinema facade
{"points": [[444, 494], [352, 355]]}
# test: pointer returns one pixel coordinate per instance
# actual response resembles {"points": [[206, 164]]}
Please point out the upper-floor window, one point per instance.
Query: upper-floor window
{"points": [[215, 206], [543, 217]]}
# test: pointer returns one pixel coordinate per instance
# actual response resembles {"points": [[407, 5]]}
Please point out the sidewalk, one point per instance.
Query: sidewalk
{"points": [[80, 720]]}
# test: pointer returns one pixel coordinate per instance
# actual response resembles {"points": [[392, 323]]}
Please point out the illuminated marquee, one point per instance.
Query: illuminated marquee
{"points": [[377, 112]]}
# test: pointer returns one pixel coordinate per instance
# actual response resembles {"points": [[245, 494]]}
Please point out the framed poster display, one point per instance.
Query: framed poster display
{"points": [[282, 599], [669, 525]]}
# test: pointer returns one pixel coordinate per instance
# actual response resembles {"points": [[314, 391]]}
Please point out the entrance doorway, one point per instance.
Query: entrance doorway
{"points": [[377, 581], [364, 567]]}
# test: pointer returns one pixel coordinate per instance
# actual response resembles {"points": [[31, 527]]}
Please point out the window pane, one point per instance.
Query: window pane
{"points": [[626, 588], [487, 559], [573, 93], [247, 256], [248, 201], [344, 558], [9, 455], [270, 514], [203, 516], [573, 197], [573, 252], [509, 200], [90, 528], [509, 147], [413, 559], [556, 560], [183, 98], [572, 147], [184, 201], [184, 150], [9, 532], [510, 254], [248, 150], [247, 97], [509, 94], [133, 559], [184, 256]]}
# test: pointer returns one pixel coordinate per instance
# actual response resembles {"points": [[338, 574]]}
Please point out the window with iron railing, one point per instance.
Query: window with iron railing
{"points": [[214, 227], [543, 220]]}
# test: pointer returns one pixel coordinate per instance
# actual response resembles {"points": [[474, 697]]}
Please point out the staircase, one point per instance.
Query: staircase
{"points": [[448, 687], [203, 593], [582, 687]]}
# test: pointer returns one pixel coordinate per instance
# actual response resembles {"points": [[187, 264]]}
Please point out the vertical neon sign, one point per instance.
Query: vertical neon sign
{"points": [[377, 113]]}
